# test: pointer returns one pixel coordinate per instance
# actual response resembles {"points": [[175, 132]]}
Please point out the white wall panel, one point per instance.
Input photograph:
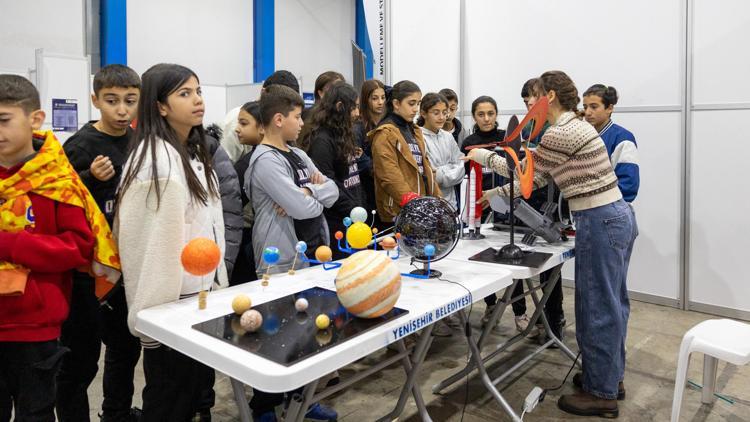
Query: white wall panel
{"points": [[720, 60], [54, 25], [719, 210], [425, 43], [509, 42], [214, 39], [313, 36]]}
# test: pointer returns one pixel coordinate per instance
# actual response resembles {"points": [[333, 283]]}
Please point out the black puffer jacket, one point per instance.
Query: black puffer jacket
{"points": [[231, 201]]}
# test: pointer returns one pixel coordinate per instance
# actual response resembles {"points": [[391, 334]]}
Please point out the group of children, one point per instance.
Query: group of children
{"points": [[271, 179]]}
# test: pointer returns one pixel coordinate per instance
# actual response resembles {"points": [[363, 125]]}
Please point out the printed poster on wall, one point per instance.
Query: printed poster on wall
{"points": [[64, 115]]}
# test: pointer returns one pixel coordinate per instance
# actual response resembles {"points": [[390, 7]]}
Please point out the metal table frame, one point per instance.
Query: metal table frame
{"points": [[480, 362], [411, 360]]}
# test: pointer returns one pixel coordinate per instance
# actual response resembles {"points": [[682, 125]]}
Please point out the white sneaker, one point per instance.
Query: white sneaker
{"points": [[522, 322]]}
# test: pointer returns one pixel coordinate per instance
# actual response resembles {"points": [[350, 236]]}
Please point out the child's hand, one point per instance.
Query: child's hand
{"points": [[102, 168], [280, 211], [317, 178]]}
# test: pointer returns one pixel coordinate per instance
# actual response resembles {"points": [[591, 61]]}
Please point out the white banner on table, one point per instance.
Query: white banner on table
{"points": [[424, 320]]}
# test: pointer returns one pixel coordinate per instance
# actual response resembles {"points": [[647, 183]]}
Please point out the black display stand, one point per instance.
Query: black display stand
{"points": [[287, 336]]}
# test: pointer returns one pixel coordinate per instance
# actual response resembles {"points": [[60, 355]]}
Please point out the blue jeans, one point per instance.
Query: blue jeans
{"points": [[604, 242]]}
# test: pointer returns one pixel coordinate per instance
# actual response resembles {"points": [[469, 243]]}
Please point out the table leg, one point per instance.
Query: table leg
{"points": [[419, 354], [243, 406], [299, 403], [477, 358], [486, 330]]}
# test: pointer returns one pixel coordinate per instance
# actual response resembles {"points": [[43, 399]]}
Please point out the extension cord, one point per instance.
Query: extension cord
{"points": [[535, 397]]}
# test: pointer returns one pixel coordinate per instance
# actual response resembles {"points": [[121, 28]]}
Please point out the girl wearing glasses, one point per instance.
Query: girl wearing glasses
{"points": [[442, 150]]}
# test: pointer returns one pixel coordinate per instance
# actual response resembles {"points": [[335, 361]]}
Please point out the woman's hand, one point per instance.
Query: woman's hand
{"points": [[484, 201], [471, 156]]}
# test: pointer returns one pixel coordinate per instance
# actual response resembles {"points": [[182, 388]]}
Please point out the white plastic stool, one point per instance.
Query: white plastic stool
{"points": [[723, 339]]}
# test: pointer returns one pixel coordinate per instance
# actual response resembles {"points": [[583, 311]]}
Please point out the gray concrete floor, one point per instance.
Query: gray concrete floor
{"points": [[654, 337]]}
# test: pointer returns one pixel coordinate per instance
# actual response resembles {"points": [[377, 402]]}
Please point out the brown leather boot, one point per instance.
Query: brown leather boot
{"points": [[578, 382], [585, 404]]}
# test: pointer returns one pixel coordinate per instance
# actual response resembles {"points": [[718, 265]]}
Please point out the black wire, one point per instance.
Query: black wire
{"points": [[547, 390]]}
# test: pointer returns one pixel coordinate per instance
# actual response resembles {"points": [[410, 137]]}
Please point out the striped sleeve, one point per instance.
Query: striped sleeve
{"points": [[625, 163]]}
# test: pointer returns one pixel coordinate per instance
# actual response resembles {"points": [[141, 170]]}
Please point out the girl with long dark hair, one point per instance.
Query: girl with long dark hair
{"points": [[168, 196]]}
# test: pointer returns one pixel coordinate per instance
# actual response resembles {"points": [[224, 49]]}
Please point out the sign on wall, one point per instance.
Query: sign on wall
{"points": [[64, 115]]}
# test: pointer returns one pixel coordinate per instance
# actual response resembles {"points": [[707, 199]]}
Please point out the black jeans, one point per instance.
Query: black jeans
{"points": [[263, 402], [519, 306], [553, 309], [175, 385], [244, 267], [28, 371], [88, 325]]}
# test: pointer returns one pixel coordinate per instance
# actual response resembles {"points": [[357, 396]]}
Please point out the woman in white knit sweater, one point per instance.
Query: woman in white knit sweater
{"points": [[168, 196], [574, 155]]}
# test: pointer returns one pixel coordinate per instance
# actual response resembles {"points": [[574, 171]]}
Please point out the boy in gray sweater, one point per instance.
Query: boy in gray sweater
{"points": [[287, 190]]}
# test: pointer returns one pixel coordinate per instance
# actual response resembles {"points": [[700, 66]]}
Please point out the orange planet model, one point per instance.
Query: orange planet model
{"points": [[200, 256], [388, 243], [323, 254]]}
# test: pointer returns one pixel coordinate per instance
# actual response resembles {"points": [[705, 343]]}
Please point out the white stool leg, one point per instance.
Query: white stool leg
{"points": [[683, 361], [710, 364]]}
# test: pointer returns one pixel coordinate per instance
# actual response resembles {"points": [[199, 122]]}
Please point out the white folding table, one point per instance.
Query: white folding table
{"points": [[561, 253], [426, 300]]}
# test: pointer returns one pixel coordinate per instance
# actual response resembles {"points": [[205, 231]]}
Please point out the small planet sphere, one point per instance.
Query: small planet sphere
{"points": [[241, 303], [347, 221], [301, 247], [388, 243], [271, 255], [322, 321], [339, 235], [200, 256], [429, 250], [323, 254], [301, 304], [358, 215], [359, 235], [251, 320]]}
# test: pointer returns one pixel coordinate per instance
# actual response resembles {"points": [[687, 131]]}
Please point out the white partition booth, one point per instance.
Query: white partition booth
{"points": [[683, 93]]}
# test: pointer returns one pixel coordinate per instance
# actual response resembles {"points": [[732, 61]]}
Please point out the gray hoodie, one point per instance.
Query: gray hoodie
{"points": [[269, 181], [445, 158]]}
